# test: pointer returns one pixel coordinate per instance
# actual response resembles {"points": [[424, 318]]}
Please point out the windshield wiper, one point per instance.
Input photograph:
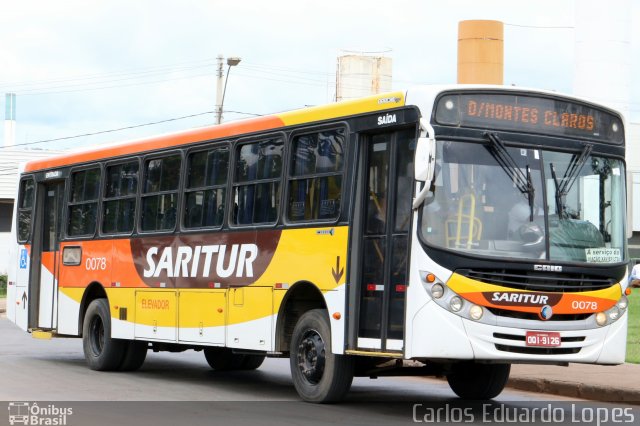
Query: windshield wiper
{"points": [[569, 178], [522, 181]]}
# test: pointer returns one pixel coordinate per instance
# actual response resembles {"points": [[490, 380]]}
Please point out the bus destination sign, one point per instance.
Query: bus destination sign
{"points": [[529, 114]]}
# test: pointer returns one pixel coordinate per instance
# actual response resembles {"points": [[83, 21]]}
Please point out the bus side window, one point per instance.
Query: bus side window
{"points": [[315, 185], [83, 202], [119, 203], [25, 209], [257, 182], [205, 191], [160, 193]]}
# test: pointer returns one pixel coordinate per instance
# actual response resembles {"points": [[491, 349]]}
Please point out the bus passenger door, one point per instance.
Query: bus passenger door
{"points": [[45, 256], [383, 242]]}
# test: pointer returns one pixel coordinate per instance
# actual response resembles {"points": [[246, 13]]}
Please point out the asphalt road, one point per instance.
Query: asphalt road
{"points": [[180, 388]]}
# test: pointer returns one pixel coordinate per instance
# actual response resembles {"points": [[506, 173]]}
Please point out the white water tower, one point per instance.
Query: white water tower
{"points": [[362, 74]]}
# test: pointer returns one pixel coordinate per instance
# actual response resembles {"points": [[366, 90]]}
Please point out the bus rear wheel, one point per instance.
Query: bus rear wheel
{"points": [[471, 380], [252, 362], [101, 352], [223, 359], [318, 374]]}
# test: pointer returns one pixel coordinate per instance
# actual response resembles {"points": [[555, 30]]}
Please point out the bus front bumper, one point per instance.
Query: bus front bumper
{"points": [[440, 334]]}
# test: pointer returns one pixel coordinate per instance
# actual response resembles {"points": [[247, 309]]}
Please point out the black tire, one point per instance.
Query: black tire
{"points": [[252, 362], [101, 352], [223, 359], [318, 374], [472, 380], [134, 355]]}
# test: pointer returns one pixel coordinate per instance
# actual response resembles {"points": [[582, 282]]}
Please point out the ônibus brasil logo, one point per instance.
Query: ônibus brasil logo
{"points": [[27, 413]]}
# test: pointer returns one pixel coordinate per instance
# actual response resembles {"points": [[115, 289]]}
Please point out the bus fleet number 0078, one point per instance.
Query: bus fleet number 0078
{"points": [[95, 263]]}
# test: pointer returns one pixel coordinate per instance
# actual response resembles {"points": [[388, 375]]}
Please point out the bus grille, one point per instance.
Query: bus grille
{"points": [[535, 281], [505, 313], [537, 351], [520, 339]]}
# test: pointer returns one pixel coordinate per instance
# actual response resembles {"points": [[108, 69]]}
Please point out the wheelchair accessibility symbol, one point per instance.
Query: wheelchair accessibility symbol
{"points": [[23, 259]]}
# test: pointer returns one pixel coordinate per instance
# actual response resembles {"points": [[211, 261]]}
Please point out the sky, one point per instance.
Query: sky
{"points": [[82, 67]]}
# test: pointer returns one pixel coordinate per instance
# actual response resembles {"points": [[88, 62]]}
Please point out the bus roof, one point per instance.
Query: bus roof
{"points": [[301, 116], [419, 95]]}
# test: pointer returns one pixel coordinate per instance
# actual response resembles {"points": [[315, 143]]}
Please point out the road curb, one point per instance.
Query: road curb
{"points": [[573, 390]]}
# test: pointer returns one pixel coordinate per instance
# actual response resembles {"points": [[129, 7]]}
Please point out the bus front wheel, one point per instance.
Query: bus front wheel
{"points": [[101, 352], [470, 380], [134, 355], [318, 374]]}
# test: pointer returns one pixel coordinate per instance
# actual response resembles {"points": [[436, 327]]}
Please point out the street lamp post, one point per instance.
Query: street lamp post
{"points": [[221, 91]]}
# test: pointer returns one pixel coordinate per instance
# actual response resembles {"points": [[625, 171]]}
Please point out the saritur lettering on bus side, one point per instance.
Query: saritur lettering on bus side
{"points": [[185, 261]]}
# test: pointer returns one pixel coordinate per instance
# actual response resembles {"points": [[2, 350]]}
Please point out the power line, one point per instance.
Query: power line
{"points": [[289, 75], [540, 27], [110, 130], [11, 170], [88, 89], [45, 85], [128, 127], [131, 71], [44, 89]]}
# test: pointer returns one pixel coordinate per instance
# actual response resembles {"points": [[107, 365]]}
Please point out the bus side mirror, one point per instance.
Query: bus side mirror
{"points": [[424, 167], [425, 161]]}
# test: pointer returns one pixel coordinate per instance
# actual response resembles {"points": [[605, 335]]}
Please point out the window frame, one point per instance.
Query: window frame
{"points": [[343, 173], [136, 196], [69, 203], [233, 183], [226, 186], [142, 194], [31, 209]]}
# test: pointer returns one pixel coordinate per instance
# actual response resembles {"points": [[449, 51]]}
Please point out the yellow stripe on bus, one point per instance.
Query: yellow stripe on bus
{"points": [[346, 108], [461, 285]]}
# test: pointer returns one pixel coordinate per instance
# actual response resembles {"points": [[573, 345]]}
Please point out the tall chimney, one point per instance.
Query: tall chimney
{"points": [[10, 120], [480, 52]]}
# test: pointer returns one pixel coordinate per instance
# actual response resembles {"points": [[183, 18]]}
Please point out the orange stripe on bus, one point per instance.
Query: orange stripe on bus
{"points": [[160, 142]]}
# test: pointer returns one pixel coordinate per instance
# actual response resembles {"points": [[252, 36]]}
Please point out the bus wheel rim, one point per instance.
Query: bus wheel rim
{"points": [[311, 356], [97, 336]]}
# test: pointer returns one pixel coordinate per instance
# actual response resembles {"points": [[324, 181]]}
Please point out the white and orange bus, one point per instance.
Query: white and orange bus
{"points": [[465, 228]]}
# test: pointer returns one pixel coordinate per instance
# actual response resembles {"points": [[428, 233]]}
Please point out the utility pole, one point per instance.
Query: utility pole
{"points": [[10, 120], [222, 89], [219, 90]]}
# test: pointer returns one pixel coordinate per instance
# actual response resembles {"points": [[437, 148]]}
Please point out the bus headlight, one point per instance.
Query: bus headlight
{"points": [[601, 318], [437, 291], [614, 313], [623, 302], [451, 301], [455, 303], [475, 312]]}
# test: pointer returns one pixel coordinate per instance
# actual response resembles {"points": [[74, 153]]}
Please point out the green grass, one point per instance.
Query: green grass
{"points": [[3, 286], [633, 335]]}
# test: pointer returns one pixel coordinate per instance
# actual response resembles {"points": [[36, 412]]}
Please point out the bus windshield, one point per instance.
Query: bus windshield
{"points": [[492, 200]]}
